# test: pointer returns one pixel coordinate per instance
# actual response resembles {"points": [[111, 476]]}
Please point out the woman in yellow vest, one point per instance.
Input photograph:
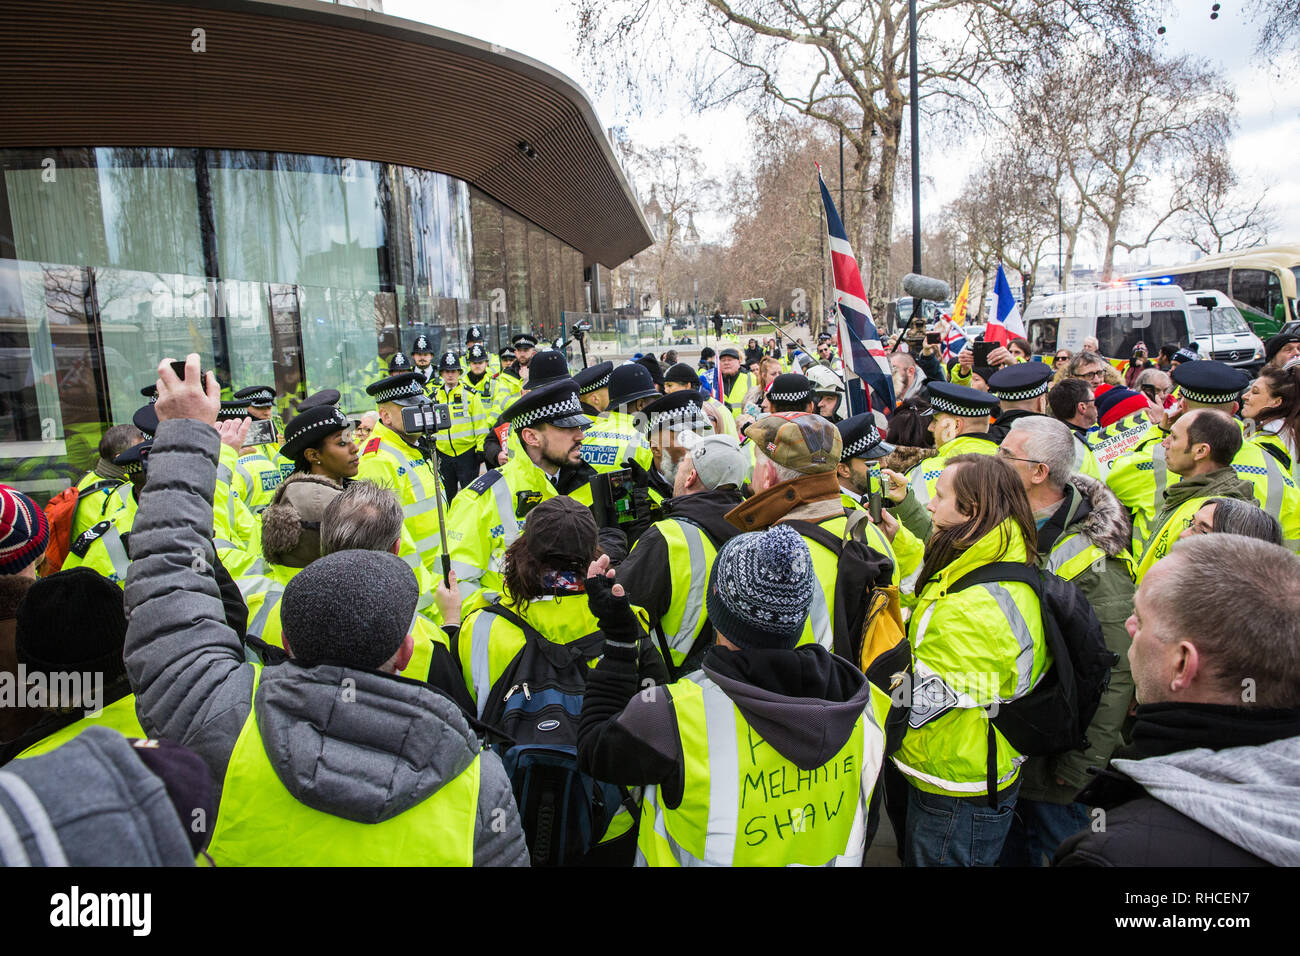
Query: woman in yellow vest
{"points": [[524, 656], [1273, 403], [970, 648], [68, 640], [768, 755]]}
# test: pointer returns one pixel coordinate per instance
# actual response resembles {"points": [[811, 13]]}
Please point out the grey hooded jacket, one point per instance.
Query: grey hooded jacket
{"points": [[91, 802], [394, 744]]}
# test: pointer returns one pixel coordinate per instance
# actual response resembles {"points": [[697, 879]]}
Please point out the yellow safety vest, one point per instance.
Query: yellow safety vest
{"points": [[119, 716], [743, 804], [925, 474], [469, 422], [391, 463], [260, 823]]}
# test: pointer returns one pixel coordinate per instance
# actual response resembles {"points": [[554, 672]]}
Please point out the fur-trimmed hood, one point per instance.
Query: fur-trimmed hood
{"points": [[904, 457], [300, 499], [1107, 523]]}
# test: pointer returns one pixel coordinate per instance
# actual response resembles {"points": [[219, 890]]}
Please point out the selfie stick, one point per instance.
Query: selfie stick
{"points": [[426, 444]]}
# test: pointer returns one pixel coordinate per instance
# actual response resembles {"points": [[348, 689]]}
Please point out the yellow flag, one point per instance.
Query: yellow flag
{"points": [[959, 306]]}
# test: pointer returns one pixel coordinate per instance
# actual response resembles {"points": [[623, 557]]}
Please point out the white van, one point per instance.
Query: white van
{"points": [[1121, 316]]}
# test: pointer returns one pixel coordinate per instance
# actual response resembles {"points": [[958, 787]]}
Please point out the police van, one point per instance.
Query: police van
{"points": [[1121, 316]]}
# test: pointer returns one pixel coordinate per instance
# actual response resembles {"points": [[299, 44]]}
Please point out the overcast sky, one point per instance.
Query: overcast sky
{"points": [[1263, 150]]}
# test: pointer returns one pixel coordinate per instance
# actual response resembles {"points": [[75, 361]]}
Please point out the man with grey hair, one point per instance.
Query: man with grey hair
{"points": [[1083, 537], [1211, 776], [667, 570]]}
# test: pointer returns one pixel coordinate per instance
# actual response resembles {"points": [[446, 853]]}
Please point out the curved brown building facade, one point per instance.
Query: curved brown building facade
{"points": [[293, 189]]}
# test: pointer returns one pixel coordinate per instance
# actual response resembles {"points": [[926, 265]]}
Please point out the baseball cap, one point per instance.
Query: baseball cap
{"points": [[802, 441], [717, 459]]}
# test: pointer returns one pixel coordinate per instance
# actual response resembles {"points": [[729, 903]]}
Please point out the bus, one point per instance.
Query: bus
{"points": [[1261, 282]]}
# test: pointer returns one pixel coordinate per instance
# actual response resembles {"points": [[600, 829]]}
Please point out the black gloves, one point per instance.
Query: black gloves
{"points": [[614, 614]]}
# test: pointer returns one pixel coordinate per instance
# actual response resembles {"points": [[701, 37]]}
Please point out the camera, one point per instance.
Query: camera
{"points": [[753, 305], [426, 418], [579, 329]]}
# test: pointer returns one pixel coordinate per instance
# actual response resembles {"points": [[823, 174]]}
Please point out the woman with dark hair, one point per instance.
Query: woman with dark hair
{"points": [[519, 654], [319, 442], [1273, 403], [971, 647], [1230, 516]]}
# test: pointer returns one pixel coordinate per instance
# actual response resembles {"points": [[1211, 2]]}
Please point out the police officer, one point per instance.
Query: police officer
{"points": [[103, 546], [261, 408], [255, 474], [510, 384], [960, 426], [475, 337], [616, 438], [593, 388], [1021, 390], [544, 367], [860, 479], [422, 356], [667, 569], [479, 378], [488, 516], [400, 363], [394, 459], [733, 383], [460, 445], [1141, 478], [104, 491], [791, 392]]}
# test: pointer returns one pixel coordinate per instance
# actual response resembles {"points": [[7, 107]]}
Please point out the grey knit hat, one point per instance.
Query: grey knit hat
{"points": [[760, 588], [351, 607]]}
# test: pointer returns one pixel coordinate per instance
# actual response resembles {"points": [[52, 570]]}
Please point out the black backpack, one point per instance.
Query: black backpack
{"points": [[537, 703], [1052, 718]]}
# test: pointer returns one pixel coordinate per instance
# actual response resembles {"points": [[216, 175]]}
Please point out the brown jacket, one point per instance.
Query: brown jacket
{"points": [[812, 498]]}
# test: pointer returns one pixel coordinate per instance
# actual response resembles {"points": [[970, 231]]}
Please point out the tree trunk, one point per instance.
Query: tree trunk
{"points": [[882, 194], [1108, 264]]}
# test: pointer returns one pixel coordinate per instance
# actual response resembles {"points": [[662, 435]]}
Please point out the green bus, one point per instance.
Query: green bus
{"points": [[1261, 281]]}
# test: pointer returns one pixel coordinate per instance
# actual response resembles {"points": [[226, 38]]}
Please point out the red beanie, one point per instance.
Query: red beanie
{"points": [[1115, 402]]}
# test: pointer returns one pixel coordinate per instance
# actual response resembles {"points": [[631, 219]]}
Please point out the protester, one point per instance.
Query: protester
{"points": [[909, 381], [24, 536], [1273, 403], [53, 644], [814, 713], [364, 427], [104, 490], [275, 737], [1230, 516], [667, 570], [1199, 449], [1087, 365], [1281, 349], [1156, 386], [753, 354], [1083, 537], [733, 382], [1214, 762], [970, 647], [1071, 401], [680, 376]]}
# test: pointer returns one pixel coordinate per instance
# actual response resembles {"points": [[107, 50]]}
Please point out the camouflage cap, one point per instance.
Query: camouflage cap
{"points": [[805, 442]]}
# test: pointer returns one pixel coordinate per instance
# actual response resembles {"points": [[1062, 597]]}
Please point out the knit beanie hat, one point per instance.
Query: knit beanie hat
{"points": [[1114, 402], [72, 621], [24, 530], [351, 607], [760, 589]]}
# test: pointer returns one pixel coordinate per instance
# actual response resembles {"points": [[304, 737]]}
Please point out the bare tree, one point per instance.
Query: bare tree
{"points": [[842, 64], [1128, 132], [1279, 27], [1220, 216]]}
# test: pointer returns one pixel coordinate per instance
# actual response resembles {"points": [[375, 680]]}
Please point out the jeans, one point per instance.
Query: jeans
{"points": [[457, 471], [956, 831], [1038, 829]]}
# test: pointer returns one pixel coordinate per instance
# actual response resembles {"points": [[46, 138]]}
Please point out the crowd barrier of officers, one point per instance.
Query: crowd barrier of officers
{"points": [[584, 618]]}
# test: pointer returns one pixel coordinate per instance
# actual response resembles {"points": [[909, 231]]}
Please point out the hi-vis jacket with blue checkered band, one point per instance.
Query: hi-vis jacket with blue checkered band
{"points": [[925, 475], [390, 462]]}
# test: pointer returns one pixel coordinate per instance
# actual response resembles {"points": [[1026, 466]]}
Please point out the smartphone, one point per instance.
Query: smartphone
{"points": [[875, 497], [179, 369], [932, 338], [982, 350], [261, 432]]}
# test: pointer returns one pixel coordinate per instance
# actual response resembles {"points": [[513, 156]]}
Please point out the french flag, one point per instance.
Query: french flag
{"points": [[1005, 323], [858, 340]]}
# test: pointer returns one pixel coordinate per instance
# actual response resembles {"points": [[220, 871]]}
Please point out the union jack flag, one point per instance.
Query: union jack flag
{"points": [[859, 342], [954, 340]]}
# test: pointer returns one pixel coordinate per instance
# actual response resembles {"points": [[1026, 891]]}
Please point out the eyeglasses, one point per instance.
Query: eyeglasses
{"points": [[1098, 374], [1033, 461]]}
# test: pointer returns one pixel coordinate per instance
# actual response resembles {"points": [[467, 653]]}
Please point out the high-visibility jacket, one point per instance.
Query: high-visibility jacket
{"points": [[488, 515], [236, 532], [735, 397], [119, 715], [744, 804], [260, 823], [103, 548], [1272, 443], [509, 386], [102, 503], [485, 389], [469, 422], [925, 474], [969, 648], [907, 551], [493, 363], [391, 463], [690, 560], [1166, 534], [1112, 442], [1141, 478], [612, 440], [255, 479], [1085, 462]]}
